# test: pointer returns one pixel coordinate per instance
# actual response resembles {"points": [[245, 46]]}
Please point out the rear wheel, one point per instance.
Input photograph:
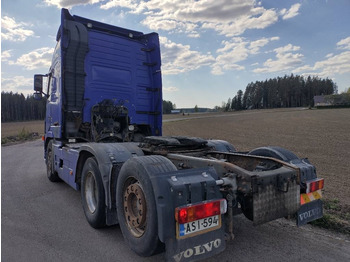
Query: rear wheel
{"points": [[136, 206], [92, 194], [51, 173]]}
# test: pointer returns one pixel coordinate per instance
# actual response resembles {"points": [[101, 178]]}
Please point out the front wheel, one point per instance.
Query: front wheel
{"points": [[92, 194], [50, 171], [136, 206]]}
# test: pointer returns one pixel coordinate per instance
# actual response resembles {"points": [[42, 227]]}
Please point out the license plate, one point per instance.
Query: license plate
{"points": [[198, 226]]}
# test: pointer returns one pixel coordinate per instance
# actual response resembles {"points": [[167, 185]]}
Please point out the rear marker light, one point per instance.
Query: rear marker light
{"points": [[314, 185], [194, 212]]}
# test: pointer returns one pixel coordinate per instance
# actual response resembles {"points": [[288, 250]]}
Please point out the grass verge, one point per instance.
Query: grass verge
{"points": [[23, 135], [335, 217]]}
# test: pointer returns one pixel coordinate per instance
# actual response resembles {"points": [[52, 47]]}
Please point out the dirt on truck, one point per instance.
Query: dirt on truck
{"points": [[103, 137]]}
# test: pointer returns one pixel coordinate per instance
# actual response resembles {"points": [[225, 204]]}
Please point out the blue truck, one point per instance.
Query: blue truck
{"points": [[103, 137]]}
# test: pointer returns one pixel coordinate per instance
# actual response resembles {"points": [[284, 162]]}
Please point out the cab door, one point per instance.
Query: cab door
{"points": [[53, 122]]}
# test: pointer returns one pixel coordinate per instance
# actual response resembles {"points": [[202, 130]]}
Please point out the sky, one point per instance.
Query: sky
{"points": [[210, 49]]}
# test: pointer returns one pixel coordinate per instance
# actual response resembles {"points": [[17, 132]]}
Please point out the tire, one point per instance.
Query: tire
{"points": [[275, 152], [51, 174], [136, 206], [93, 194]]}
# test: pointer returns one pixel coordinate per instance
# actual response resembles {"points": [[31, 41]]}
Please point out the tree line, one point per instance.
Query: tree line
{"points": [[17, 107], [287, 91]]}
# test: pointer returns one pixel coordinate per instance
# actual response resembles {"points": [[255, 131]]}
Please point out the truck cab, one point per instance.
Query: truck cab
{"points": [[104, 83]]}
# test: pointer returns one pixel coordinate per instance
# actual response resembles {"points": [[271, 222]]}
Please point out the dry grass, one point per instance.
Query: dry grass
{"points": [[14, 128], [20, 131]]}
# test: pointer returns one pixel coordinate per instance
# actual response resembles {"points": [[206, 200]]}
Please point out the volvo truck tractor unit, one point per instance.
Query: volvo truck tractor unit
{"points": [[103, 137]]}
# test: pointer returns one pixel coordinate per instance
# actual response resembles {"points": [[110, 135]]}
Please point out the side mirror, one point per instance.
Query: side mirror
{"points": [[38, 96], [38, 83]]}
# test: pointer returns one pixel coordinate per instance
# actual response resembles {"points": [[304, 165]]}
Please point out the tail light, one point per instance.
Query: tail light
{"points": [[314, 185], [194, 212]]}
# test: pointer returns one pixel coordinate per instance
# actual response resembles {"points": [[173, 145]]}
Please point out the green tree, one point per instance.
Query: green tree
{"points": [[239, 100], [196, 109], [167, 107], [228, 105]]}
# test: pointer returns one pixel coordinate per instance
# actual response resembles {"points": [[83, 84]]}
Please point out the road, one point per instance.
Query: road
{"points": [[44, 221]]}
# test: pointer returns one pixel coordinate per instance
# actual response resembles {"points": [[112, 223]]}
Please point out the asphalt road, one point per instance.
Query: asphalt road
{"points": [[44, 221]]}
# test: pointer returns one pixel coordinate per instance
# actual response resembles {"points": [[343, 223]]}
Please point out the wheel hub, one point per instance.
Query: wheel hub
{"points": [[91, 193], [135, 209]]}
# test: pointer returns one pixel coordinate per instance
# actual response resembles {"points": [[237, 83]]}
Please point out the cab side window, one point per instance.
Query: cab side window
{"points": [[53, 87]]}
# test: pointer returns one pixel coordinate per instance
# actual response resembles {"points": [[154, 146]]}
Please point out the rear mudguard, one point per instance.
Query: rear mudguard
{"points": [[70, 159], [180, 188]]}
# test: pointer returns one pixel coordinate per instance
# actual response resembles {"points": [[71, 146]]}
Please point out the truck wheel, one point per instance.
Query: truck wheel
{"points": [[92, 194], [51, 174], [136, 206], [275, 152]]}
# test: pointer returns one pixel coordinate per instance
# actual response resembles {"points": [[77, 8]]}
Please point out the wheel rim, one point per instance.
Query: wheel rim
{"points": [[135, 208], [91, 192]]}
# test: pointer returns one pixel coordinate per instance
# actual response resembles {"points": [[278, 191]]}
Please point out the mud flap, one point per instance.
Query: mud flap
{"points": [[309, 212], [179, 188], [197, 247]]}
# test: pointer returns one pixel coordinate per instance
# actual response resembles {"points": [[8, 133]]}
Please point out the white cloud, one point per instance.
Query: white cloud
{"points": [[70, 3], [228, 17], [303, 69], [5, 55], [130, 4], [19, 84], [174, 26], [337, 64], [286, 59], [237, 50], [179, 58], [14, 31], [256, 45], [239, 25], [292, 12], [231, 53], [332, 65], [38, 58], [344, 43], [170, 89]]}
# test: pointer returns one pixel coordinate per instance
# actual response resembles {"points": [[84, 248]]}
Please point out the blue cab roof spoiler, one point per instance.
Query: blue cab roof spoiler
{"points": [[65, 15]]}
